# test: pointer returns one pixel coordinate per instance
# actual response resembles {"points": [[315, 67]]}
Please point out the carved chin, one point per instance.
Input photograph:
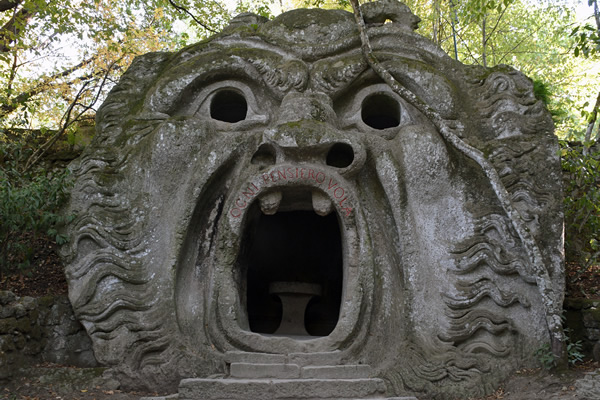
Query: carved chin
{"points": [[294, 228]]}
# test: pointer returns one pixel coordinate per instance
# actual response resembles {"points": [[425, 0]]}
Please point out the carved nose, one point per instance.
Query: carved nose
{"points": [[338, 155], [304, 106], [306, 133]]}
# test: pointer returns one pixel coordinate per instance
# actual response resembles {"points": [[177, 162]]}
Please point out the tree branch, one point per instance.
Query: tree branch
{"points": [[549, 296], [37, 155], [14, 103], [13, 27], [591, 122], [497, 23], [185, 10], [6, 5]]}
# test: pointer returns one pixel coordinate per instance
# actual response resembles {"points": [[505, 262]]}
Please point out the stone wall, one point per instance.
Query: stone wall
{"points": [[583, 321], [40, 330]]}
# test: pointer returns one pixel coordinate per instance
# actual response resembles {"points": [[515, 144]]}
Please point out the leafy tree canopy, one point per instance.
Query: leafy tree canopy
{"points": [[58, 59]]}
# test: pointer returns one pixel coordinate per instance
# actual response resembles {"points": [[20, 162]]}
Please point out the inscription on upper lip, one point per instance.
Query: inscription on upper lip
{"points": [[328, 189]]}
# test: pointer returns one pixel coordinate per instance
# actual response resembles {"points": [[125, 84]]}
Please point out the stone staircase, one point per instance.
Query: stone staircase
{"points": [[295, 376]]}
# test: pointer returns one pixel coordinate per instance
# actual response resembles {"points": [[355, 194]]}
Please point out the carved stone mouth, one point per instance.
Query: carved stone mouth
{"points": [[297, 233], [291, 256]]}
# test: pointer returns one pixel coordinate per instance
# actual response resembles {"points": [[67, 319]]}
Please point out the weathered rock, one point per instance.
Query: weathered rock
{"points": [[270, 156], [589, 386], [6, 297]]}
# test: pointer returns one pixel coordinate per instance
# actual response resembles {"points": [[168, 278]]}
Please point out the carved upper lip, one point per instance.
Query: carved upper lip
{"points": [[295, 187]]}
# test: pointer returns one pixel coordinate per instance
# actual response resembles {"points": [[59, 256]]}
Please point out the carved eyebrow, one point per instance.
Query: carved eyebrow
{"points": [[335, 74], [188, 78], [286, 75]]}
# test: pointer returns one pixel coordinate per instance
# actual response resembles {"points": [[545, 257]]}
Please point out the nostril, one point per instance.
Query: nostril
{"points": [[340, 155], [264, 156]]}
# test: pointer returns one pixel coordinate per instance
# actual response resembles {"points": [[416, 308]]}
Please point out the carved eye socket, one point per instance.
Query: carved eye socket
{"points": [[380, 111], [228, 105]]}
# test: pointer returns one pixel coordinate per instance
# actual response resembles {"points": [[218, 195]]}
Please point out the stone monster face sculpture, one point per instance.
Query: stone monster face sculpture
{"points": [[264, 191]]}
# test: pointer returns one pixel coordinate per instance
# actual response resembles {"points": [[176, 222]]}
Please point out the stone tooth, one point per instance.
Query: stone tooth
{"points": [[269, 202], [321, 203]]}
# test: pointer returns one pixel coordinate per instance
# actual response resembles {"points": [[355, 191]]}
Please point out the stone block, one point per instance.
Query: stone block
{"points": [[336, 372], [8, 325], [19, 340], [591, 318], [7, 343], [259, 371], [259, 358], [60, 313], [316, 358], [7, 311], [7, 297], [272, 389], [29, 303], [33, 348]]}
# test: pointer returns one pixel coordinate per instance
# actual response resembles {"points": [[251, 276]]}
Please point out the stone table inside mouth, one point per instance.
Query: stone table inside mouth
{"points": [[294, 298]]}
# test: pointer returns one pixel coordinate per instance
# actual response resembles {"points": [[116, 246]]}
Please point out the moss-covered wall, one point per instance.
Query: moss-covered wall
{"points": [[33, 330]]}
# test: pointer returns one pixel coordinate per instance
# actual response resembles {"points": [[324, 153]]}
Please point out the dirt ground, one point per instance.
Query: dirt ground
{"points": [[45, 382]]}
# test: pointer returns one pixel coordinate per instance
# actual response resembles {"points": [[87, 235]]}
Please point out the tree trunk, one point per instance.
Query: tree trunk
{"points": [[483, 41], [590, 128]]}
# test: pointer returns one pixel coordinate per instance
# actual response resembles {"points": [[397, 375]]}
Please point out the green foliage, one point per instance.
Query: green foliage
{"points": [[534, 37], [587, 40], [542, 91], [29, 204], [549, 360], [545, 356], [574, 352], [582, 204]]}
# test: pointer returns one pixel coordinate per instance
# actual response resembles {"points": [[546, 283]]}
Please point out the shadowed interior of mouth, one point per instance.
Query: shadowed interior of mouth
{"points": [[290, 255]]}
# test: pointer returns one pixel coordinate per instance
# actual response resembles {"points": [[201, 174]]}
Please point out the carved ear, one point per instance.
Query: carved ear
{"points": [[378, 12], [129, 92]]}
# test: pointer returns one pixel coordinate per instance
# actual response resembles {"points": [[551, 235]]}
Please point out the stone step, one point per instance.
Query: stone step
{"points": [[279, 389], [255, 358], [258, 371], [176, 397], [336, 372], [301, 359], [289, 371]]}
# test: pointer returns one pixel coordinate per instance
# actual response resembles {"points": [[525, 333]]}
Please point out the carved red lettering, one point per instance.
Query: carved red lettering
{"points": [[322, 177], [311, 174], [237, 203], [265, 178], [339, 190], [330, 184], [281, 174], [302, 170], [341, 202], [273, 177], [235, 212], [249, 193]]}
